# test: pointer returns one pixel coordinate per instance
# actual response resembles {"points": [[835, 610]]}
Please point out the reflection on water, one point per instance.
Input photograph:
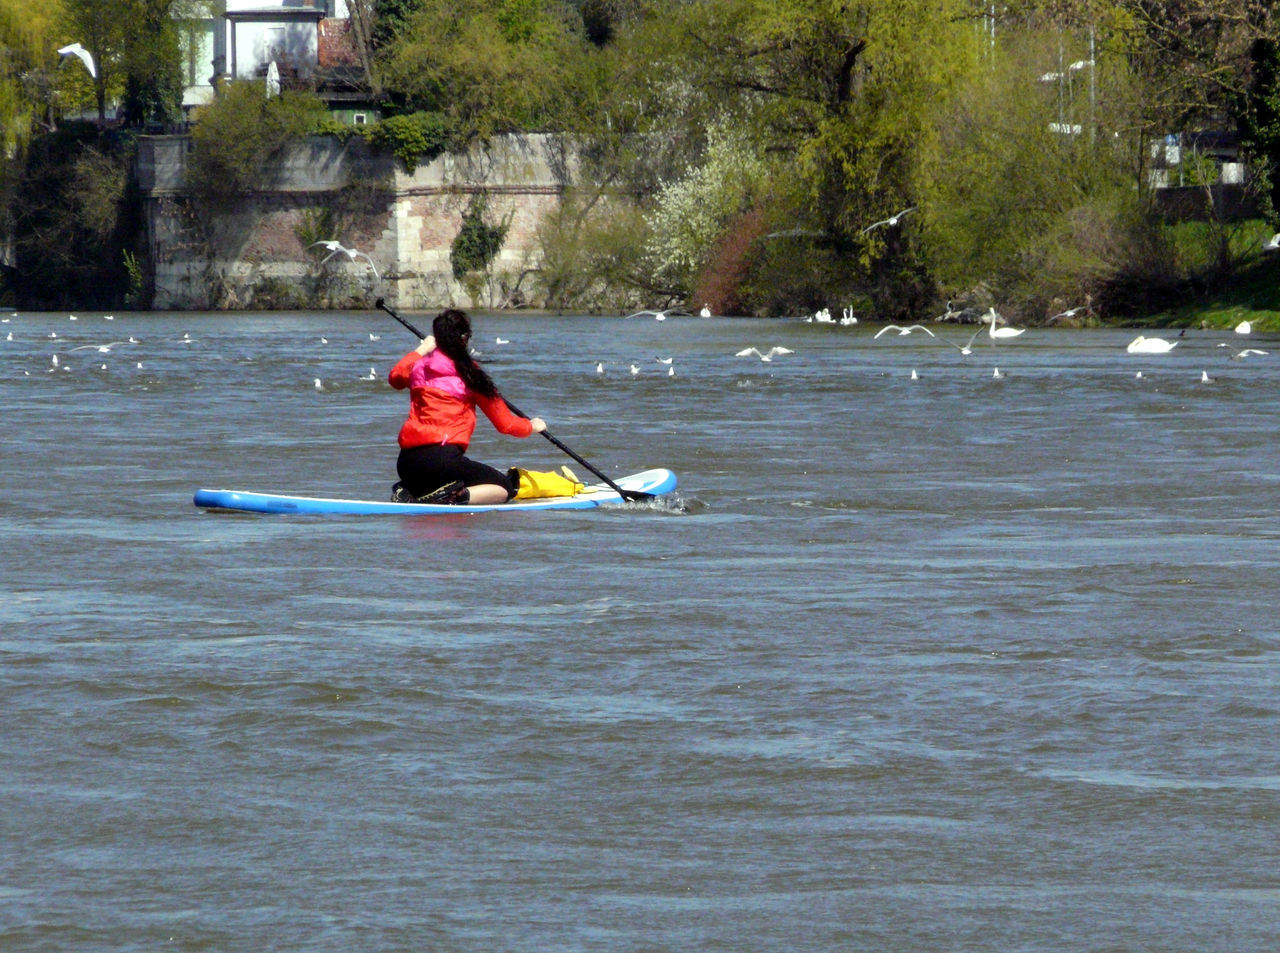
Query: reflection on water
{"points": [[936, 663]]}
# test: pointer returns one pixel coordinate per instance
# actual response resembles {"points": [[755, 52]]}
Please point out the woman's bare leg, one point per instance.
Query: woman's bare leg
{"points": [[488, 493]]}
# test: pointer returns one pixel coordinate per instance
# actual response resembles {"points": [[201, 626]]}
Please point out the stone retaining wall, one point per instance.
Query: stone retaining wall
{"points": [[252, 253]]}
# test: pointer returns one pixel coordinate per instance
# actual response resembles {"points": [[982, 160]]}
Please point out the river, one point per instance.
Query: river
{"points": [[957, 662]]}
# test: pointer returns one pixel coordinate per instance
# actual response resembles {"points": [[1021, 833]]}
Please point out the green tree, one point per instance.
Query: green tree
{"points": [[1258, 110], [74, 220], [490, 66], [239, 133], [151, 62], [27, 36], [97, 26]]}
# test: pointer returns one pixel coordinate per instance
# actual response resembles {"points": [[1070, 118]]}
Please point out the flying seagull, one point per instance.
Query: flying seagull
{"points": [[78, 51], [766, 356], [337, 248], [902, 331], [889, 222]]}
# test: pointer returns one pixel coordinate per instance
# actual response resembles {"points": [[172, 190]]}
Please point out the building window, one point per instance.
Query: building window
{"points": [[358, 119]]}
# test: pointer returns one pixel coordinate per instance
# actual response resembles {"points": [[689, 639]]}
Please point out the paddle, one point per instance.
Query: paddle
{"points": [[625, 494]]}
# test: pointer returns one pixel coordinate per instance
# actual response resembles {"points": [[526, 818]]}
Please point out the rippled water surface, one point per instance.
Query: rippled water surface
{"points": [[954, 663]]}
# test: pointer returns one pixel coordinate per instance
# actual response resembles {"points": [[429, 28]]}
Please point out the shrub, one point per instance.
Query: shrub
{"points": [[412, 138], [241, 131], [477, 243]]}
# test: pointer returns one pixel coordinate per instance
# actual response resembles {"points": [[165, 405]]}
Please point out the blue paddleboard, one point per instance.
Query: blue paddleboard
{"points": [[649, 481]]}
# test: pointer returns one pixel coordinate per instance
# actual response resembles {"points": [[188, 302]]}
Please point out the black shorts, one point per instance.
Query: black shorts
{"points": [[426, 468]]}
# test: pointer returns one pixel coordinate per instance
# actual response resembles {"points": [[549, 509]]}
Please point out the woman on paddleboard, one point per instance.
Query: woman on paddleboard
{"points": [[445, 386]]}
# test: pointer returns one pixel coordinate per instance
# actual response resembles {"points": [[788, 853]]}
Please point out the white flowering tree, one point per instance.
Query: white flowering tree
{"points": [[691, 213]]}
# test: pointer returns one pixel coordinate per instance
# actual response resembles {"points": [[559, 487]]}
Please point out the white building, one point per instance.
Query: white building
{"points": [[238, 39]]}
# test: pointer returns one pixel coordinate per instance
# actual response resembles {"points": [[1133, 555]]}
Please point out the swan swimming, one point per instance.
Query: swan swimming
{"points": [[1146, 345]]}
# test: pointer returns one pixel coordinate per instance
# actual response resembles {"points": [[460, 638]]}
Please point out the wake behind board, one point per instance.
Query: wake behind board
{"points": [[649, 481]]}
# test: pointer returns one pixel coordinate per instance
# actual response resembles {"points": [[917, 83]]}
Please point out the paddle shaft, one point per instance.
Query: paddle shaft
{"points": [[625, 494]]}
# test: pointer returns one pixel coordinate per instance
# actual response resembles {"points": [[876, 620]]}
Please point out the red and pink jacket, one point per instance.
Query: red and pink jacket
{"points": [[441, 407]]}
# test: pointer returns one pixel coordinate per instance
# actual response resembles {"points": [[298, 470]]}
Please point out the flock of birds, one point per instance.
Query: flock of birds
{"points": [[991, 325]]}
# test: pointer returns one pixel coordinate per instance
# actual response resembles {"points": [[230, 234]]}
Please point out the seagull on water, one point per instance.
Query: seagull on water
{"points": [[375, 337], [318, 384], [80, 53], [371, 376], [766, 356], [1205, 378], [996, 375], [337, 248], [1146, 345], [664, 360], [599, 367], [904, 331], [889, 222], [635, 369], [501, 340]]}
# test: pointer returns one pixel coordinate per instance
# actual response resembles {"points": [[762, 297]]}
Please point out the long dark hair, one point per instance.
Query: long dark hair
{"points": [[452, 330]]}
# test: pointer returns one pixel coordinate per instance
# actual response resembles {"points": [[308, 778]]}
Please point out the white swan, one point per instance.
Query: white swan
{"points": [[1146, 345], [992, 318]]}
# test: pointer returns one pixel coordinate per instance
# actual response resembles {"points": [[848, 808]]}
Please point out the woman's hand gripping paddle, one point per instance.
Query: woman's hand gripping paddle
{"points": [[634, 495]]}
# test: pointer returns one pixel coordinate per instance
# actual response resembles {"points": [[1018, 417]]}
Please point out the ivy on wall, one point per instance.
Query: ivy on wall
{"points": [[477, 243]]}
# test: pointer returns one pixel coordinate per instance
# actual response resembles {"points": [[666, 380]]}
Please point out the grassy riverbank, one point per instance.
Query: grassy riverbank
{"points": [[1252, 295]]}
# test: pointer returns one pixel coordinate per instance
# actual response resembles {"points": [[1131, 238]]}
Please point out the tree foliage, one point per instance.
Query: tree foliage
{"points": [[27, 35], [743, 148], [490, 66], [75, 221], [239, 134], [412, 138]]}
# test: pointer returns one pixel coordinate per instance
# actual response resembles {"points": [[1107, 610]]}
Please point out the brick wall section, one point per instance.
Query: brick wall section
{"points": [[255, 256], [335, 46]]}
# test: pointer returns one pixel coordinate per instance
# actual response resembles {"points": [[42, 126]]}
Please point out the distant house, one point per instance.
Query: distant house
{"points": [[308, 40]]}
